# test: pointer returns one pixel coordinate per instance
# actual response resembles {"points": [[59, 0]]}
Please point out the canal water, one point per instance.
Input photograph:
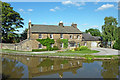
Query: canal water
{"points": [[37, 67]]}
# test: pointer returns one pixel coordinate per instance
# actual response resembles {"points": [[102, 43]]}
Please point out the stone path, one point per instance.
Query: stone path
{"points": [[106, 51]]}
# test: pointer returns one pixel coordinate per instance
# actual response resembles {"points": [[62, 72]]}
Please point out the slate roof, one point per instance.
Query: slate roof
{"points": [[53, 29], [89, 37]]}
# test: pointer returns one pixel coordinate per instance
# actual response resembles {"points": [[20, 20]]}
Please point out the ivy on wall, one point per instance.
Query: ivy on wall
{"points": [[65, 42], [46, 42]]}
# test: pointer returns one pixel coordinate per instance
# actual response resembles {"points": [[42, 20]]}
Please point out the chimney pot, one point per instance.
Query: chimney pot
{"points": [[74, 25], [61, 23]]}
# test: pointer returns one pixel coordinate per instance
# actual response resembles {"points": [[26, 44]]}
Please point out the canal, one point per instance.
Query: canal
{"points": [[38, 67]]}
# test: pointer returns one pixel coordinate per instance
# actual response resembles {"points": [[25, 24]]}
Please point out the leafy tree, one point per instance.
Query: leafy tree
{"points": [[11, 21], [93, 32], [46, 42], [24, 34], [109, 30], [117, 43]]}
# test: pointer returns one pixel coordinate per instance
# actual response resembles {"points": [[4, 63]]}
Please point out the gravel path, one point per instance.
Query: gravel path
{"points": [[106, 51]]}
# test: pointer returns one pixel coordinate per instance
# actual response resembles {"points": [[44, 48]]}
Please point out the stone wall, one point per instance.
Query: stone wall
{"points": [[8, 46], [88, 43], [56, 37], [22, 46]]}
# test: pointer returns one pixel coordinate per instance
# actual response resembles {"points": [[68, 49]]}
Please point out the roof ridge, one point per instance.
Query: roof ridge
{"points": [[43, 25]]}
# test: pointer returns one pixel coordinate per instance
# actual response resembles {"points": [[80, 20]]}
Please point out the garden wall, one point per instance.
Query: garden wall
{"points": [[22, 46]]}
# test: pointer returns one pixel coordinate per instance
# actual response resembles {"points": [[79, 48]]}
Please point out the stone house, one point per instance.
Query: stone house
{"points": [[56, 32], [91, 41]]}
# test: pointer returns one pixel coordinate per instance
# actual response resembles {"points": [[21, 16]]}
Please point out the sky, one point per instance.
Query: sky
{"points": [[85, 14]]}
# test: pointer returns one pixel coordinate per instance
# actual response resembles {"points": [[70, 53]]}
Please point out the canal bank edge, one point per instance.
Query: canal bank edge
{"points": [[65, 57]]}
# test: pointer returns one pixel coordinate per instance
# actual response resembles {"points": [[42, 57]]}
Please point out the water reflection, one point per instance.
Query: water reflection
{"points": [[55, 67], [110, 69], [11, 69]]}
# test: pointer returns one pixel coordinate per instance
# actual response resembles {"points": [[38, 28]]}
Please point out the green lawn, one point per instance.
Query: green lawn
{"points": [[82, 52], [14, 51]]}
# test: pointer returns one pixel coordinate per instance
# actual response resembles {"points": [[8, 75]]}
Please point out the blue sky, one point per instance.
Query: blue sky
{"points": [[85, 14]]}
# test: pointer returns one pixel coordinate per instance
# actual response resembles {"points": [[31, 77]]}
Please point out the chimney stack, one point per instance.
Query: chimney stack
{"points": [[74, 25], [61, 23], [29, 29]]}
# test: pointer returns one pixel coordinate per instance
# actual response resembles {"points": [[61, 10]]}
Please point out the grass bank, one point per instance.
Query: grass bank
{"points": [[86, 54]]}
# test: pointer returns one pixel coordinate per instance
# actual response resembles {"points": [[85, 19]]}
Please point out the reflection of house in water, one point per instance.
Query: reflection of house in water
{"points": [[46, 66]]}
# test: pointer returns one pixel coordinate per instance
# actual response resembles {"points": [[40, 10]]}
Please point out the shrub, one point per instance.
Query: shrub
{"points": [[55, 48], [65, 41], [51, 49], [117, 45], [89, 57], [38, 50], [77, 49], [84, 48]]}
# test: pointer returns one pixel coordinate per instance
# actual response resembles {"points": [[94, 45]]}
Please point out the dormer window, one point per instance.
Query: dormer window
{"points": [[70, 36], [40, 36], [61, 36], [51, 36]]}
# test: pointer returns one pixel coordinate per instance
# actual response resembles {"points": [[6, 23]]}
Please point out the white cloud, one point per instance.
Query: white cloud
{"points": [[105, 6], [96, 2], [30, 9], [57, 7], [52, 10], [67, 2], [73, 3], [21, 10]]}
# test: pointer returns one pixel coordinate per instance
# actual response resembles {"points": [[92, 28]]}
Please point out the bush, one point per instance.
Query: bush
{"points": [[55, 48], [51, 49], [77, 49], [38, 50], [81, 48], [117, 45], [84, 48]]}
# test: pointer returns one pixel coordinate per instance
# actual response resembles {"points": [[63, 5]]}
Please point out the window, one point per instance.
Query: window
{"points": [[40, 36], [70, 36], [78, 44], [85, 44], [51, 36], [72, 44], [40, 46], [61, 45], [78, 37], [61, 36], [51, 45]]}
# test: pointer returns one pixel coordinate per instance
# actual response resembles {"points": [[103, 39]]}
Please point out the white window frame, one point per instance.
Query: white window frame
{"points": [[41, 46], [70, 36], [51, 45], [78, 37], [78, 44], [60, 36], [51, 35], [62, 45], [39, 36], [72, 43]]}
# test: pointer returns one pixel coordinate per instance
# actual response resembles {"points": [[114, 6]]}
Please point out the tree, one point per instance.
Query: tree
{"points": [[24, 34], [109, 30], [93, 32], [11, 21]]}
